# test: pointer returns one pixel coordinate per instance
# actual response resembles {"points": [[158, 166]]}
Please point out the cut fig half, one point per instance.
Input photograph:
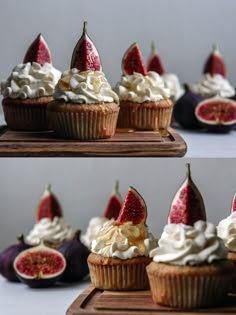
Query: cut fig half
{"points": [[154, 61], [233, 207], [187, 206], [114, 203], [38, 52], [85, 55], [217, 114], [133, 61], [134, 208], [39, 266], [215, 63]]}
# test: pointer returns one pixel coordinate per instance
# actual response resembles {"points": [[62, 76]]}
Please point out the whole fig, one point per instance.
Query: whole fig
{"points": [[7, 257], [184, 109], [76, 254]]}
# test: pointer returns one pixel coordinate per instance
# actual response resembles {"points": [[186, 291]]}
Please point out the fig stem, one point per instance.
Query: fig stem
{"points": [[20, 238], [188, 170], [77, 234], [186, 87], [48, 187], [116, 187], [85, 27], [154, 48]]}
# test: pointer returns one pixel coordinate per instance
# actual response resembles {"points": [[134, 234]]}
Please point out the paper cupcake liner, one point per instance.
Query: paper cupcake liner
{"points": [[119, 277], [83, 125], [26, 117], [186, 292]]}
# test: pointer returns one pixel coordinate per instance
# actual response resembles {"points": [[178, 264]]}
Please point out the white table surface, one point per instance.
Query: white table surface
{"points": [[19, 299], [201, 143]]}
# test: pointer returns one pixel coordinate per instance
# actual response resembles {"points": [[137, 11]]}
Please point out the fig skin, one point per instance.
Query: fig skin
{"points": [[114, 204], [76, 254], [7, 257], [184, 109]]}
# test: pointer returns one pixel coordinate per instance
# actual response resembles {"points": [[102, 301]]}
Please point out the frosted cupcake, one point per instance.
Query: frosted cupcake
{"points": [[29, 89], [85, 106], [189, 268], [120, 252], [144, 100]]}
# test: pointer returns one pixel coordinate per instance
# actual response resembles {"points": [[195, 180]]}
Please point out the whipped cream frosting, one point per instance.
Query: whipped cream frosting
{"points": [[54, 231], [92, 230], [123, 241], [182, 244], [210, 86], [138, 88], [30, 81], [173, 84], [226, 230], [86, 87]]}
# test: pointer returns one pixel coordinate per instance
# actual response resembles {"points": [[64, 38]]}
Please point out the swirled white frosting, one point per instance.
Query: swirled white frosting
{"points": [[210, 86], [88, 87], [123, 241], [54, 231], [226, 230], [189, 245], [92, 230], [138, 88], [173, 84], [30, 81]]}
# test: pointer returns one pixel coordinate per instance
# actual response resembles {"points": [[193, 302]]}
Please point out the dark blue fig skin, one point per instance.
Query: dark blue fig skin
{"points": [[184, 109], [7, 257], [76, 254]]}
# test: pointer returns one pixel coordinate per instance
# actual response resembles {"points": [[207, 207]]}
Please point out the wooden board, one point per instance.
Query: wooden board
{"points": [[98, 302], [125, 143]]}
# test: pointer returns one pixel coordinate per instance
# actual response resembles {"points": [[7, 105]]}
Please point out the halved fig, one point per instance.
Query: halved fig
{"points": [[38, 52], [154, 61], [114, 204], [85, 55], [187, 206], [133, 61], [48, 206], [39, 266], [215, 63], [217, 114], [134, 208], [233, 207]]}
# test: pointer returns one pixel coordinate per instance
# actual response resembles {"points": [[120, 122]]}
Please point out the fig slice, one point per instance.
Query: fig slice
{"points": [[85, 55], [154, 61], [133, 61], [233, 207], [215, 63], [39, 266], [134, 208], [48, 206], [217, 114], [187, 206], [38, 52], [114, 203]]}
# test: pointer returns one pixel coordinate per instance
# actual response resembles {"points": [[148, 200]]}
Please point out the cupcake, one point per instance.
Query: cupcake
{"points": [[144, 99], [85, 106], [29, 88], [119, 254], [111, 212], [189, 267], [50, 227]]}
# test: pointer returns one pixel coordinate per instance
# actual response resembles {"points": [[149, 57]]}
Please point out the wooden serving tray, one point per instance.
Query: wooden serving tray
{"points": [[125, 143], [98, 302]]}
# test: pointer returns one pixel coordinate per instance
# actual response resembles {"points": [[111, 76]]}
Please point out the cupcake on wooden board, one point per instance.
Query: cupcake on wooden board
{"points": [[29, 89], [85, 106], [144, 100], [120, 252]]}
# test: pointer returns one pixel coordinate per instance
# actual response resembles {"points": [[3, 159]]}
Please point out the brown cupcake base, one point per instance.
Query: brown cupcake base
{"points": [[26, 114], [117, 274], [232, 257], [189, 287], [83, 122]]}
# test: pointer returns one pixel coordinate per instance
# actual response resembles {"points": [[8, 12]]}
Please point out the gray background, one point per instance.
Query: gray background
{"points": [[184, 31]]}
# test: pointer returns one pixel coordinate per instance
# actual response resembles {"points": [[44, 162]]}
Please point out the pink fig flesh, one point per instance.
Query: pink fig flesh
{"points": [[133, 61], [187, 206], [114, 204], [85, 55], [38, 52], [233, 207], [134, 208], [215, 64], [154, 62]]}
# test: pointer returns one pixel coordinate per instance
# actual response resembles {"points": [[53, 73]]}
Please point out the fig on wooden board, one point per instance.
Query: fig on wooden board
{"points": [[38, 52], [114, 204], [133, 61]]}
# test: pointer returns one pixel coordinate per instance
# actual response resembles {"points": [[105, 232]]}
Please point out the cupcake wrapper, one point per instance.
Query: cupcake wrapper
{"points": [[83, 125], [119, 277], [26, 117], [188, 292]]}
